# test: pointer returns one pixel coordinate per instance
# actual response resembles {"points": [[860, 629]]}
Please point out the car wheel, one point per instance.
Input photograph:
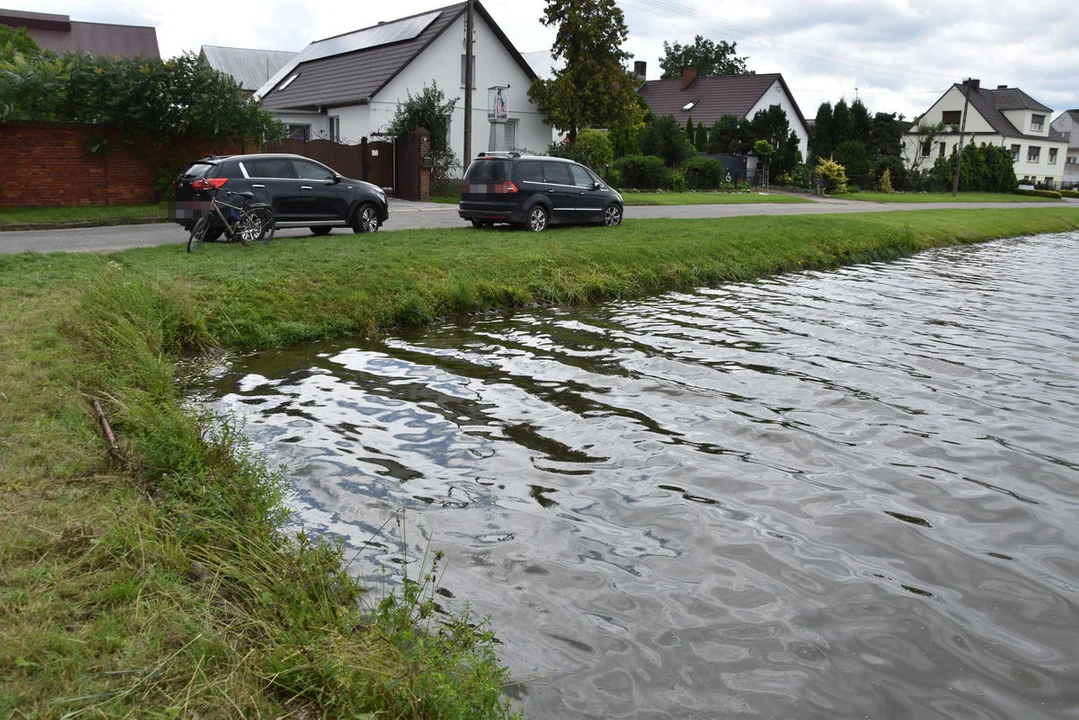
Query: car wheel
{"points": [[213, 234], [365, 220], [537, 218], [321, 230], [612, 216], [481, 223]]}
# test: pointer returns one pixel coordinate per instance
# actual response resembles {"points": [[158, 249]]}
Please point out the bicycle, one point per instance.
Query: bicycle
{"points": [[247, 222]]}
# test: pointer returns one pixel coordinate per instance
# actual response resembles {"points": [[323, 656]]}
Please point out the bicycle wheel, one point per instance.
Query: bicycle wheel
{"points": [[198, 233], [258, 224]]}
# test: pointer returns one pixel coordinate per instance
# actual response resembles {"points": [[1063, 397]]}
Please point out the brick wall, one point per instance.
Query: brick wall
{"points": [[50, 165]]}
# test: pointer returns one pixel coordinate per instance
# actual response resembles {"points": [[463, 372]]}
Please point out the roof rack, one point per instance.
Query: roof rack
{"points": [[499, 153]]}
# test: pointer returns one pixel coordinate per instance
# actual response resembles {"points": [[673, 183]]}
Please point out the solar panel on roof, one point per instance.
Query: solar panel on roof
{"points": [[384, 34]]}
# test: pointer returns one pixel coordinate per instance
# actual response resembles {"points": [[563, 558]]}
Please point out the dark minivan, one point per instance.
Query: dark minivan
{"points": [[301, 191], [535, 192]]}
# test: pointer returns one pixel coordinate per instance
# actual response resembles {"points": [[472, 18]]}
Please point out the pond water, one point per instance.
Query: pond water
{"points": [[844, 494]]}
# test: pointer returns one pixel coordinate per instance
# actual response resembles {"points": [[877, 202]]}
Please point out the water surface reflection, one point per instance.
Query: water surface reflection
{"points": [[825, 495]]}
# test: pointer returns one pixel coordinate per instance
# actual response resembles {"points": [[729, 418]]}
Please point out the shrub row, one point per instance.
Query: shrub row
{"points": [[1069, 193], [1044, 193]]}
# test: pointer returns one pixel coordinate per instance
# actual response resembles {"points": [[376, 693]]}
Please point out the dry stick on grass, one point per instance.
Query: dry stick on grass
{"points": [[109, 437]]}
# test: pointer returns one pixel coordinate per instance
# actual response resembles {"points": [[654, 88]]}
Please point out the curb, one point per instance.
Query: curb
{"points": [[21, 227]]}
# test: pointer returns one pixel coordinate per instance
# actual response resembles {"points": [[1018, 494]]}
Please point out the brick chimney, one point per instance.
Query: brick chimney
{"points": [[1002, 87], [973, 83], [640, 70], [688, 76]]}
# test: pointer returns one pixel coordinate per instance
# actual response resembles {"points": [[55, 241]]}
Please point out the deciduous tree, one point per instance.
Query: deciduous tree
{"points": [[706, 57], [593, 89]]}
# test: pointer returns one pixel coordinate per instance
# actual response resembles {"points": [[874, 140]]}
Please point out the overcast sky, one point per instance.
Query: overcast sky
{"points": [[896, 55]]}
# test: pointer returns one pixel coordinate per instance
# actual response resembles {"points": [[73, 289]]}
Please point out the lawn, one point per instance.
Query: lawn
{"points": [[963, 197], [687, 198], [12, 218], [150, 579]]}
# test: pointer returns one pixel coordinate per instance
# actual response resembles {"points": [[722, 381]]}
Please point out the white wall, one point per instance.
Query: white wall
{"points": [[319, 124], [441, 63], [775, 96], [1039, 171]]}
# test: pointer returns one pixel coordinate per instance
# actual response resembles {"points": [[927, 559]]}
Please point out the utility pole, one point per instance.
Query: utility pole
{"points": [[468, 89], [971, 86]]}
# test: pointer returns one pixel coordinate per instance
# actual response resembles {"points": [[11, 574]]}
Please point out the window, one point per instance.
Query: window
{"points": [[335, 128], [473, 71], [488, 170], [298, 132], [581, 178], [1034, 154], [268, 168], [1015, 153], [288, 82], [927, 148], [943, 145], [1052, 156], [511, 134], [951, 117], [1037, 122], [309, 170], [530, 172], [1070, 160], [556, 173]]}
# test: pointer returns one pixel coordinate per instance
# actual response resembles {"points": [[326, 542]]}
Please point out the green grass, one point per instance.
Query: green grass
{"points": [[706, 198], [11, 218], [963, 197], [686, 198], [152, 581]]}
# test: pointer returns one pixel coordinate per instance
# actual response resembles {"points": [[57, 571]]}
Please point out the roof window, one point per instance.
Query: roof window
{"points": [[289, 81], [689, 105]]}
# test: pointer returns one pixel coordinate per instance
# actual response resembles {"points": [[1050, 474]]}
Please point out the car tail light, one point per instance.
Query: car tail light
{"points": [[207, 183], [505, 188]]}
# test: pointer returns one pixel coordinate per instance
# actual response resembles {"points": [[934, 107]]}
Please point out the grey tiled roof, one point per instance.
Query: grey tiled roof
{"points": [[713, 97], [250, 68], [354, 78], [990, 103]]}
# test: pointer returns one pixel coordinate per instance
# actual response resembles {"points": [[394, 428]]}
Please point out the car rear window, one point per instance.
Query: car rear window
{"points": [[488, 171], [529, 172], [198, 170], [268, 168]]}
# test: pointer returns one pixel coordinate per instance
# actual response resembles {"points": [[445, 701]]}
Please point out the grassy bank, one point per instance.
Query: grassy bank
{"points": [[152, 581], [963, 197], [27, 218]]}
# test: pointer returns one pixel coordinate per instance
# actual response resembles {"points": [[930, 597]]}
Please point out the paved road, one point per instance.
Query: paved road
{"points": [[413, 215]]}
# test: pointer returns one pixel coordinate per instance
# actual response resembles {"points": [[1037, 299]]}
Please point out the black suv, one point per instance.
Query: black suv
{"points": [[302, 193], [535, 192]]}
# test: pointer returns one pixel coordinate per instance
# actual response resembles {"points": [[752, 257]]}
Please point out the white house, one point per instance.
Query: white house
{"points": [[1006, 117], [349, 86], [707, 99], [1068, 126]]}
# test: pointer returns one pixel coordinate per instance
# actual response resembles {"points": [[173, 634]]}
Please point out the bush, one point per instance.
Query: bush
{"points": [[832, 176], [645, 172], [663, 137], [799, 176], [852, 156], [1043, 193], [592, 149], [985, 167], [1069, 193], [886, 181], [676, 180], [623, 140], [704, 173]]}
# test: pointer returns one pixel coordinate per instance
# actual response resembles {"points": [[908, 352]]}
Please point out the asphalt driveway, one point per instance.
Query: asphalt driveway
{"points": [[416, 215]]}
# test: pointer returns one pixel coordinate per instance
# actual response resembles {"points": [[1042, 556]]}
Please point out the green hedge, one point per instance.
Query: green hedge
{"points": [[1042, 193], [704, 173], [643, 172], [1069, 193]]}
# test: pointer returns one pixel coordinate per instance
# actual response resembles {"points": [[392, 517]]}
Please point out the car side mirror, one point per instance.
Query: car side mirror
{"points": [[334, 180], [596, 186]]}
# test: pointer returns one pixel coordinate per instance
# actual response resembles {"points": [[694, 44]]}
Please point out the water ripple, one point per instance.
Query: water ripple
{"points": [[824, 495]]}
